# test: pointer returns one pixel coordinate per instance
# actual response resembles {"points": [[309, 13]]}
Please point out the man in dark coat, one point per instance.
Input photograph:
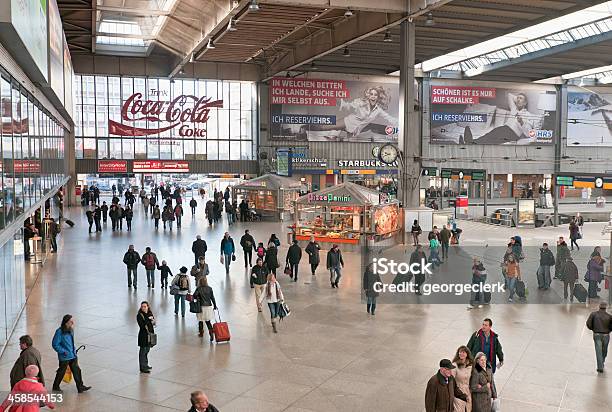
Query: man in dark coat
{"points": [[442, 389], [294, 255], [131, 260], [417, 257], [600, 323], [487, 342], [29, 356], [547, 259], [248, 243], [334, 265], [199, 248], [199, 403], [445, 235], [312, 250], [563, 253]]}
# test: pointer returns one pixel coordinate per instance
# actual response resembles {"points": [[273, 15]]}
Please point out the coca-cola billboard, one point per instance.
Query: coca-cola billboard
{"points": [[191, 112]]}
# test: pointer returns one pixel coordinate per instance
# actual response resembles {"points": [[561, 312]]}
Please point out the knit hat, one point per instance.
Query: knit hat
{"points": [[183, 269]]}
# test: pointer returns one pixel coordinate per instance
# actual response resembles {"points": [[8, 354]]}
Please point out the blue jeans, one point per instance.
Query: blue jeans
{"points": [[479, 296], [274, 308], [601, 348], [150, 277], [227, 260], [338, 271], [511, 286], [543, 275], [134, 275], [371, 300], [434, 257], [180, 298]]}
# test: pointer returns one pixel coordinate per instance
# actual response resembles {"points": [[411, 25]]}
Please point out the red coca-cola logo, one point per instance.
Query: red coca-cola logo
{"points": [[175, 112]]}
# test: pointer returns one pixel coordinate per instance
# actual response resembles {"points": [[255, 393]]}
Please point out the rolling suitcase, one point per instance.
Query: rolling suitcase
{"points": [[69, 222], [580, 293], [221, 330]]}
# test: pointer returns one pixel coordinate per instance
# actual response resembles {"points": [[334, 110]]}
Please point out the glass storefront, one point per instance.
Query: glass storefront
{"points": [[12, 284], [32, 147], [230, 130]]}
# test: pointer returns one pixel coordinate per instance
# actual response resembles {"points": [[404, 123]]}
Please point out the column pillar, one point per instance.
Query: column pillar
{"points": [[70, 169], [409, 130]]}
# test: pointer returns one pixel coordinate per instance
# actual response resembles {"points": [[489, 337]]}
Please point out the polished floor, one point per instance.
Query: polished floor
{"points": [[329, 355]]}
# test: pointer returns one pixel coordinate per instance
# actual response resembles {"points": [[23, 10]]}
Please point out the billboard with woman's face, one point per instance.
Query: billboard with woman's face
{"points": [[304, 109], [480, 113]]}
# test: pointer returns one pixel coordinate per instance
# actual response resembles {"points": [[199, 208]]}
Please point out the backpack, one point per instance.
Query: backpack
{"points": [[149, 260], [183, 282], [260, 251]]}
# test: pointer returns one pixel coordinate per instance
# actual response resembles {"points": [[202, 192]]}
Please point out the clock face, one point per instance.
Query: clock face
{"points": [[388, 153], [375, 151]]}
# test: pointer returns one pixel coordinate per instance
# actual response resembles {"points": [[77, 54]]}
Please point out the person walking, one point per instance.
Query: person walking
{"points": [[199, 248], [244, 210], [600, 323], [28, 395], [271, 258], [442, 389], [418, 257], [312, 250], [208, 210], [131, 260], [206, 298], [463, 364], [482, 385], [547, 260], [146, 323], [63, 344], [371, 278], [114, 190], [574, 233], [150, 262], [416, 232], [334, 265], [145, 205], [97, 215], [29, 356], [486, 341], [569, 278], [479, 277], [182, 287], [580, 222], [248, 244], [274, 295], [199, 403], [166, 216], [200, 270], [178, 213], [104, 209], [228, 251], [193, 204], [258, 279], [513, 274], [129, 215], [294, 255], [54, 230], [120, 216], [114, 215], [229, 212], [434, 247], [165, 272], [445, 236], [594, 275], [563, 253], [90, 218], [156, 215]]}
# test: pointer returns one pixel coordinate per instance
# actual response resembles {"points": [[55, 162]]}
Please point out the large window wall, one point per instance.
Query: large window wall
{"points": [[230, 131], [32, 146]]}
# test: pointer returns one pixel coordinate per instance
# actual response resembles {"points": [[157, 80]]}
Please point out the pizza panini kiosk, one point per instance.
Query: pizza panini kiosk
{"points": [[271, 196], [346, 213]]}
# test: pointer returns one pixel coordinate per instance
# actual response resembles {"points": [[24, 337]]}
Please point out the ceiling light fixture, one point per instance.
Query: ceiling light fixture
{"points": [[430, 20], [253, 6], [231, 26], [388, 38], [210, 45], [346, 52], [348, 13]]}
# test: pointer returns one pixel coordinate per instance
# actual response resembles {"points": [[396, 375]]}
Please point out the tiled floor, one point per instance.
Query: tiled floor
{"points": [[329, 355]]}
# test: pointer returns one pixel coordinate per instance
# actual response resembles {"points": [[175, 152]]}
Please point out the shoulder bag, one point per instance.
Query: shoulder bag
{"points": [[151, 336]]}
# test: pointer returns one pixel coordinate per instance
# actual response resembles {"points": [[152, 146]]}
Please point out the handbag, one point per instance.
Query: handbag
{"points": [[151, 339], [195, 306], [283, 310], [174, 289], [495, 405], [189, 297], [233, 257], [287, 270]]}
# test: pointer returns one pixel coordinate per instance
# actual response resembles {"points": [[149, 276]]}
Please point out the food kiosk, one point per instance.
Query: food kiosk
{"points": [[270, 196], [347, 213]]}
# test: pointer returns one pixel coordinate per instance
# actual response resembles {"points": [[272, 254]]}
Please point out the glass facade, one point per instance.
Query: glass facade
{"points": [[32, 147], [230, 130], [12, 284]]}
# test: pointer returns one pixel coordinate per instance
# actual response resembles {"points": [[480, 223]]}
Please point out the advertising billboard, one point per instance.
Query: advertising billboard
{"points": [[68, 78], [589, 117], [56, 51], [521, 115], [29, 18], [158, 166], [112, 166], [333, 110]]}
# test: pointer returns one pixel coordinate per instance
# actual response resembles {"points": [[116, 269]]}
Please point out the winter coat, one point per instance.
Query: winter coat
{"points": [[156, 213], [294, 254], [440, 396], [563, 253], [28, 356], [595, 269], [197, 272], [193, 203], [476, 344], [272, 258], [445, 235], [481, 397], [569, 271], [513, 270], [546, 257], [131, 259], [27, 387], [146, 326], [462, 375], [199, 247], [313, 253], [334, 258], [247, 242], [600, 322], [227, 246], [63, 344], [150, 266], [205, 295], [259, 275], [370, 278]]}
